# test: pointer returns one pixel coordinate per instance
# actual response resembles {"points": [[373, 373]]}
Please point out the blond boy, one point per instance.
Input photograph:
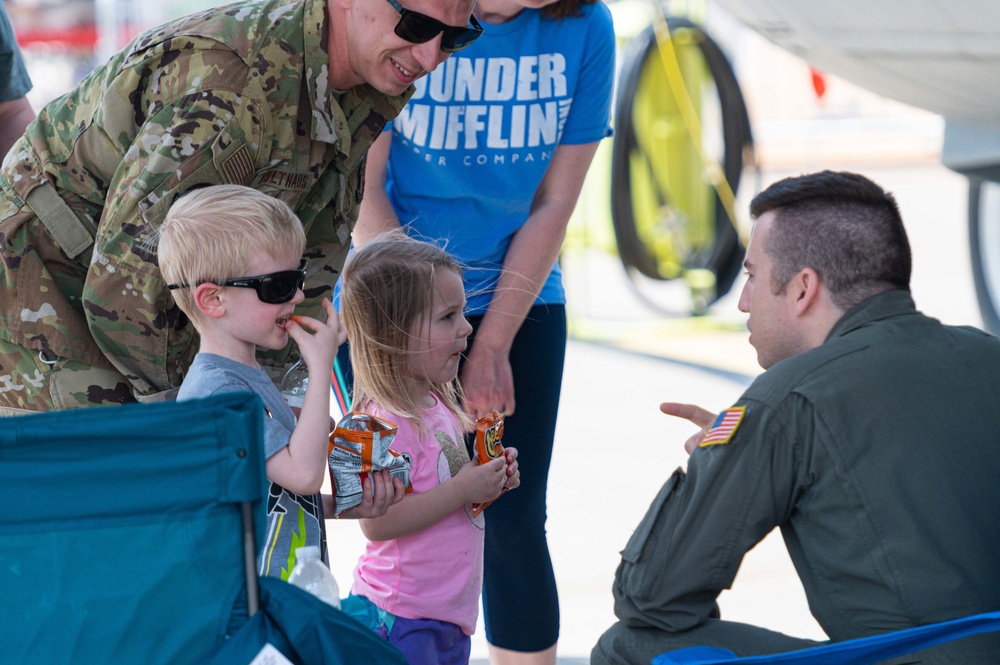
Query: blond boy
{"points": [[232, 259]]}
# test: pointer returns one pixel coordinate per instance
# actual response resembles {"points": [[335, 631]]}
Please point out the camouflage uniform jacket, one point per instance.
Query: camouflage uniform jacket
{"points": [[237, 94]]}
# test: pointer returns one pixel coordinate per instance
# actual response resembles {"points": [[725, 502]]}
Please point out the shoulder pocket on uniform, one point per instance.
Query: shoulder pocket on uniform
{"points": [[154, 208], [227, 161]]}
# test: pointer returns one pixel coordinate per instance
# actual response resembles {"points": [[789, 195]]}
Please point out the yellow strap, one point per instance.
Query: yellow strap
{"points": [[70, 232], [675, 79]]}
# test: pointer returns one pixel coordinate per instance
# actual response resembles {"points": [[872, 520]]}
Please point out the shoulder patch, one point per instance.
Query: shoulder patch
{"points": [[238, 167], [724, 427]]}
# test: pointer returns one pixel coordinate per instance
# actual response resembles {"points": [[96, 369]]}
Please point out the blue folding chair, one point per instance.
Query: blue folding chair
{"points": [[126, 533], [127, 536], [860, 651]]}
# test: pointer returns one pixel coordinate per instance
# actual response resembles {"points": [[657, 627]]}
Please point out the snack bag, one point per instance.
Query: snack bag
{"points": [[359, 445], [489, 432]]}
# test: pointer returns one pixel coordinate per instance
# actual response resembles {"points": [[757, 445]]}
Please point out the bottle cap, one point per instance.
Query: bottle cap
{"points": [[307, 552]]}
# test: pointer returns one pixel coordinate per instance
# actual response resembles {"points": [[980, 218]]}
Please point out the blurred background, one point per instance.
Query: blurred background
{"points": [[710, 109]]}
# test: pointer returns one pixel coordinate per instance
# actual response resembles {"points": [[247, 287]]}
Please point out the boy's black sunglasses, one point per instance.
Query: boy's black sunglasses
{"points": [[418, 28], [274, 288]]}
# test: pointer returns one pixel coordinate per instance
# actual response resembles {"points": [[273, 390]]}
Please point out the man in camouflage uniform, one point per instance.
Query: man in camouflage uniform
{"points": [[285, 96]]}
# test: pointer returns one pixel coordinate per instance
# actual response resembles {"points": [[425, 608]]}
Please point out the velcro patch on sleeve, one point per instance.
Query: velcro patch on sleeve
{"points": [[724, 427]]}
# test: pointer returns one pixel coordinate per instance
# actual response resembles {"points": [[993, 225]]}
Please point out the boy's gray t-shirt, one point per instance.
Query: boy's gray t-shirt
{"points": [[294, 520]]}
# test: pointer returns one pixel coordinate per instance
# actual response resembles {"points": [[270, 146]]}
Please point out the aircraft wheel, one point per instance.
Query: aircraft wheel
{"points": [[984, 245], [669, 223]]}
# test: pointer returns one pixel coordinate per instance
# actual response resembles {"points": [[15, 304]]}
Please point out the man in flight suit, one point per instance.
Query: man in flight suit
{"points": [[285, 96], [872, 440]]}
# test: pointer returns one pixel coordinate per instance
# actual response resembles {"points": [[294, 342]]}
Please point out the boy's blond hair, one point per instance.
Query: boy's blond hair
{"points": [[213, 233], [387, 288]]}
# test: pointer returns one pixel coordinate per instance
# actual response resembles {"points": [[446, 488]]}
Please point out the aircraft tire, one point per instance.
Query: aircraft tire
{"points": [[984, 247], [725, 254]]}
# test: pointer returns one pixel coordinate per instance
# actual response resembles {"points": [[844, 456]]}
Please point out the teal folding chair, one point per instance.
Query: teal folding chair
{"points": [[860, 651], [127, 536], [126, 533]]}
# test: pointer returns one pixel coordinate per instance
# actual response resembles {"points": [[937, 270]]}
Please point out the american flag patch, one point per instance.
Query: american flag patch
{"points": [[239, 168], [724, 427]]}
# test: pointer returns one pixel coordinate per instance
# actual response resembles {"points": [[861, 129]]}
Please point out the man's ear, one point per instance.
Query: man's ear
{"points": [[805, 288], [208, 298]]}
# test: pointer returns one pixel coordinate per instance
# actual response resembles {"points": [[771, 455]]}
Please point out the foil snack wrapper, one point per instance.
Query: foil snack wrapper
{"points": [[488, 446], [359, 445]]}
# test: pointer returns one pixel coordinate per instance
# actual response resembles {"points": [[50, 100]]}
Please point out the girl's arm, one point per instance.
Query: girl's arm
{"points": [[376, 214], [486, 378], [474, 483]]}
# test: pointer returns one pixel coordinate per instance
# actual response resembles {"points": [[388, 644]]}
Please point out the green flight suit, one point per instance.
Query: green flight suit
{"points": [[238, 94], [878, 456]]}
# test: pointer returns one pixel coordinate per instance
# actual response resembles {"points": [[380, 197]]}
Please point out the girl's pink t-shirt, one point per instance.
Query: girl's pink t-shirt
{"points": [[437, 573]]}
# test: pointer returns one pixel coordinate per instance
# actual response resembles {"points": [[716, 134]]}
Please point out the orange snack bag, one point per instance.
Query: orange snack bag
{"points": [[358, 446], [488, 446]]}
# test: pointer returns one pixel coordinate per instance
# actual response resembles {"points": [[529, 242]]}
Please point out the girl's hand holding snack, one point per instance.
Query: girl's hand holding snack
{"points": [[482, 482], [379, 492], [489, 446], [513, 473]]}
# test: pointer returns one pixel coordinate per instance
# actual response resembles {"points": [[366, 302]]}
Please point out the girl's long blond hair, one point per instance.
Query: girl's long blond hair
{"points": [[387, 288]]}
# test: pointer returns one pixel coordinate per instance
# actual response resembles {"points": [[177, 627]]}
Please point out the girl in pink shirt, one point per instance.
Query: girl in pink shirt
{"points": [[418, 582]]}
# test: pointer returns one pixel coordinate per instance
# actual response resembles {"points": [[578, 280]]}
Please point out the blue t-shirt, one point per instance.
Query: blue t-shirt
{"points": [[471, 147], [14, 81]]}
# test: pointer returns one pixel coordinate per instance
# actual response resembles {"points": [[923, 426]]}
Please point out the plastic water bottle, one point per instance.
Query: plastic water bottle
{"points": [[312, 575], [294, 383]]}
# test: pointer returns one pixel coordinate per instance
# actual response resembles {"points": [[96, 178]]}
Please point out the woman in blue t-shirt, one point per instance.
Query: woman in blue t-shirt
{"points": [[489, 156]]}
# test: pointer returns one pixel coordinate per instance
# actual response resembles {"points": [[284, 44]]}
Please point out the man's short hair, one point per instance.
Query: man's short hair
{"points": [[213, 233], [843, 226]]}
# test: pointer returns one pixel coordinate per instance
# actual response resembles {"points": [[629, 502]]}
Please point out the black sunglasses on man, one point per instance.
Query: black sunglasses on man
{"points": [[418, 28]]}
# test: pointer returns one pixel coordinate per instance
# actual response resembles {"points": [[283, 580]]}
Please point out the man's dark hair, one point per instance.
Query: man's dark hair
{"points": [[843, 226]]}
